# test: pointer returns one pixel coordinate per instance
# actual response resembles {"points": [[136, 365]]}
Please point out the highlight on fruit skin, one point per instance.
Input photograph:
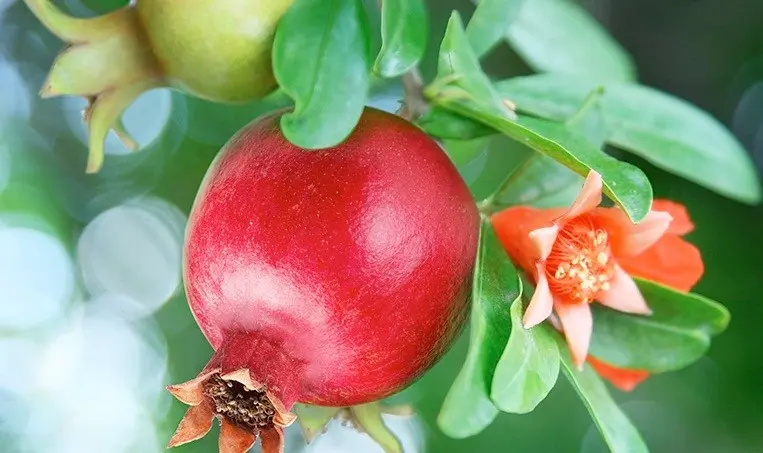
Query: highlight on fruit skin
{"points": [[330, 278], [218, 51]]}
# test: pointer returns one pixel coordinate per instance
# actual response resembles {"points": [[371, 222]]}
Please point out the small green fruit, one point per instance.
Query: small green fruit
{"points": [[218, 51], [215, 50]]}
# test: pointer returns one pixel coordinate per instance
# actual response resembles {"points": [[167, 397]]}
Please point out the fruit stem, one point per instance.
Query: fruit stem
{"points": [[108, 61]]}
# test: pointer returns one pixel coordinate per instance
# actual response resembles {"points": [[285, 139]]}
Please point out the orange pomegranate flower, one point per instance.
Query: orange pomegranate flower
{"points": [[671, 261], [588, 253]]}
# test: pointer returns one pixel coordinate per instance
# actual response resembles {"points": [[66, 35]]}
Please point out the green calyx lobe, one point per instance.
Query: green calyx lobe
{"points": [[365, 418], [218, 51]]}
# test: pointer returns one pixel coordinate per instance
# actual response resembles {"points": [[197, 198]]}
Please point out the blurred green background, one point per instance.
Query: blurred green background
{"points": [[94, 322]]}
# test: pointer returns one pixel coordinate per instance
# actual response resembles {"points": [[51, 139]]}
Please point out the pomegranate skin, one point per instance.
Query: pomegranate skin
{"points": [[345, 271]]}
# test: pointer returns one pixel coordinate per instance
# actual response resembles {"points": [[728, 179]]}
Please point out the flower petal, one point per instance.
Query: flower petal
{"points": [[625, 379], [577, 323], [513, 227], [234, 439], [543, 239], [681, 224], [272, 440], [191, 392], [646, 233], [627, 238], [541, 304], [624, 295], [195, 424], [588, 198], [671, 261]]}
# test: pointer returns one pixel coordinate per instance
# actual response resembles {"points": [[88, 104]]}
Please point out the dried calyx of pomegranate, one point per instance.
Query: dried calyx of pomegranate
{"points": [[330, 278], [245, 408], [210, 50]]}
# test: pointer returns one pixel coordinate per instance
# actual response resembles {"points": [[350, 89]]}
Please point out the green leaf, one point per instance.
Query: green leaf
{"points": [[541, 182], [615, 427], [464, 89], [459, 71], [404, 36], [675, 335], [448, 125], [467, 408], [321, 59], [528, 368], [489, 23], [560, 36], [502, 157], [461, 152], [625, 184], [589, 120], [667, 131]]}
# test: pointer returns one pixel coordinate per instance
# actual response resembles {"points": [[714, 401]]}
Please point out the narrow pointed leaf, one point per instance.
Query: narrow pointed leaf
{"points": [[560, 36], [489, 23], [321, 59], [615, 427], [464, 89], [663, 129], [528, 368], [404, 36], [467, 408], [459, 63], [675, 335]]}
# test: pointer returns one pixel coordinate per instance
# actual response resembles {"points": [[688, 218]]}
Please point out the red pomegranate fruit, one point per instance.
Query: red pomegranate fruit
{"points": [[334, 277]]}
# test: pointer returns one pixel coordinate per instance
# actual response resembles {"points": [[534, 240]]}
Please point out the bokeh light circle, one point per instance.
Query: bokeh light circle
{"points": [[36, 277], [96, 383], [17, 364], [15, 99], [133, 252]]}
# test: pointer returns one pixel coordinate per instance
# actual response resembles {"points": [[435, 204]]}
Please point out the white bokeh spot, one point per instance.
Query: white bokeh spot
{"points": [[131, 255], [15, 99], [36, 278]]}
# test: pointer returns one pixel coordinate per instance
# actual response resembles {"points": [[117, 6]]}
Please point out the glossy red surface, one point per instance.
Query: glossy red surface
{"points": [[354, 262]]}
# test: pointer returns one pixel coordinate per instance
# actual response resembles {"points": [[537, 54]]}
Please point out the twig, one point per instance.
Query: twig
{"points": [[414, 102]]}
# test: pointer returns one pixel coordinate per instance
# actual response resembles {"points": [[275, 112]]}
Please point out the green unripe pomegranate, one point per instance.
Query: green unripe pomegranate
{"points": [[217, 50]]}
